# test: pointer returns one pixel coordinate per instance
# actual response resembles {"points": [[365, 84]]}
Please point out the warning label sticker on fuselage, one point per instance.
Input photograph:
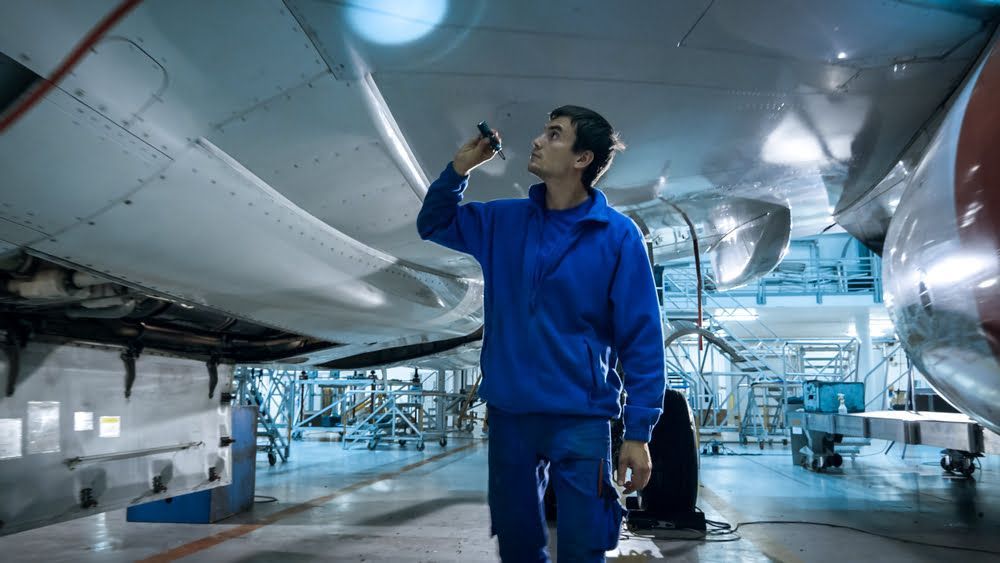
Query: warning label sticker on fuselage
{"points": [[111, 426]]}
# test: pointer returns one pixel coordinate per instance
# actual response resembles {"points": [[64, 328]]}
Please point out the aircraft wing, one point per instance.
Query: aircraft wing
{"points": [[261, 165]]}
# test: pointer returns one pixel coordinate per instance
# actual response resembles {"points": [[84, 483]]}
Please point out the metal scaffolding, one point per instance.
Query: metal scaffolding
{"points": [[739, 376], [359, 406], [403, 413], [270, 392]]}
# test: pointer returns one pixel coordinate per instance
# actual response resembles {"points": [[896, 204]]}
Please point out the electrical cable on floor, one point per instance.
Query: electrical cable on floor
{"points": [[266, 499], [869, 454], [722, 529], [718, 529], [863, 531], [883, 452], [718, 525], [698, 535]]}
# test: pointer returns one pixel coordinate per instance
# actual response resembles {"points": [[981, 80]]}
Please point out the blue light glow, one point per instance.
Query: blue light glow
{"points": [[392, 22]]}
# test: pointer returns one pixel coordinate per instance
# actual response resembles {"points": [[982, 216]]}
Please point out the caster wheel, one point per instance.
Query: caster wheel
{"points": [[372, 444], [784, 441], [402, 443], [420, 446], [443, 442], [945, 465], [836, 460], [761, 445], [969, 469], [815, 464], [271, 458]]}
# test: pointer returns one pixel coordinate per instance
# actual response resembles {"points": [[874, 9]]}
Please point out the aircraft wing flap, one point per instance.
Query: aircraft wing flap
{"points": [[317, 281]]}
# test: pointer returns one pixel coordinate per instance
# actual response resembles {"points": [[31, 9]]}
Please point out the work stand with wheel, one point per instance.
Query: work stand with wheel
{"points": [[819, 439], [410, 417], [393, 419]]}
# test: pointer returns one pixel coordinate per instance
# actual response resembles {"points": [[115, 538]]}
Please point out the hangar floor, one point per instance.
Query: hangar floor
{"points": [[404, 505]]}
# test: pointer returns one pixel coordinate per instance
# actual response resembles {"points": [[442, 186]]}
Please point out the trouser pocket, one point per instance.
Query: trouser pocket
{"points": [[609, 523], [589, 514]]}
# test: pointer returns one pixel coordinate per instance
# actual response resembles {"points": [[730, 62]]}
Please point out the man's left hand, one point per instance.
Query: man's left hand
{"points": [[635, 456]]}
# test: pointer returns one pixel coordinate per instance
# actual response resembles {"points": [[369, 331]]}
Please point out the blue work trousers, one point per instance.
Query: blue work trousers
{"points": [[575, 451]]}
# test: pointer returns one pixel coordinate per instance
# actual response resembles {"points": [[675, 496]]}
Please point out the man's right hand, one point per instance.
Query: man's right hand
{"points": [[473, 153]]}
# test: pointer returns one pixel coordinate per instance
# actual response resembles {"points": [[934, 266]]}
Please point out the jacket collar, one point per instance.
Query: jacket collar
{"points": [[598, 211]]}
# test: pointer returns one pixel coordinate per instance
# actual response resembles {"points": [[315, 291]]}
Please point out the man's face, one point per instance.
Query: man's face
{"points": [[552, 152]]}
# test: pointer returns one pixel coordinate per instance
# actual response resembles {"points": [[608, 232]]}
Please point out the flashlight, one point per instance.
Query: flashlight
{"points": [[485, 130]]}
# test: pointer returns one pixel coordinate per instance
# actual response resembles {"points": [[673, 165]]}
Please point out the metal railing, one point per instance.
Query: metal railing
{"points": [[817, 277], [684, 297], [835, 359]]}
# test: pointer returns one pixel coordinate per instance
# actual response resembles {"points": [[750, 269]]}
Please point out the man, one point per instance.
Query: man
{"points": [[568, 289]]}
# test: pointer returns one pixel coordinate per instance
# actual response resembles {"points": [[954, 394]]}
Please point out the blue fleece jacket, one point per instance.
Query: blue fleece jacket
{"points": [[556, 324]]}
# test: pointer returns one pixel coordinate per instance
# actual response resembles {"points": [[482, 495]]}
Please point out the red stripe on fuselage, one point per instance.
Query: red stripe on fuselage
{"points": [[977, 185]]}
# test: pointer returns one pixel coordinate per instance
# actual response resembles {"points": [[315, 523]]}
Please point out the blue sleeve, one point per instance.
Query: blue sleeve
{"points": [[444, 221], [638, 337]]}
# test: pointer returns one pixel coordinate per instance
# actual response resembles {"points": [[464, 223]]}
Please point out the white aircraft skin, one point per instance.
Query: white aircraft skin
{"points": [[264, 161]]}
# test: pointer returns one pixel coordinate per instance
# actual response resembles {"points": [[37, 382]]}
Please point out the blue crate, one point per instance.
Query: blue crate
{"points": [[821, 396]]}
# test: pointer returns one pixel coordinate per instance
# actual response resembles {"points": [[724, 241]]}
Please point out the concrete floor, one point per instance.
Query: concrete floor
{"points": [[404, 505]]}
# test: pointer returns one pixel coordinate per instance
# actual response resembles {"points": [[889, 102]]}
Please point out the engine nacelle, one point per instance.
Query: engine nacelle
{"points": [[942, 252]]}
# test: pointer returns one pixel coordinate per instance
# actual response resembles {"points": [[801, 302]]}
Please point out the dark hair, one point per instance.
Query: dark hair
{"points": [[595, 134]]}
